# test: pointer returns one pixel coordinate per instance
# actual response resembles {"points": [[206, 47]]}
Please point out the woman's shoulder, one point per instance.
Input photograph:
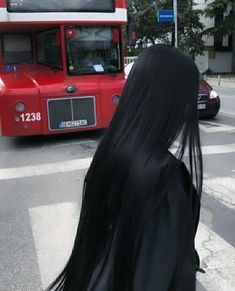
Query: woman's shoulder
{"points": [[177, 175], [177, 166]]}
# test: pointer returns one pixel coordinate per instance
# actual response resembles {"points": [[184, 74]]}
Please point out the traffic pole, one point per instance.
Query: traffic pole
{"points": [[176, 22]]}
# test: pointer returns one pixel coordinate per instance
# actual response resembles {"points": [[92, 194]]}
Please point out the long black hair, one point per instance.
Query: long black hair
{"points": [[123, 184]]}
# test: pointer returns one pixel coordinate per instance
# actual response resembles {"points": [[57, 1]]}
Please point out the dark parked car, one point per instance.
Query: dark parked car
{"points": [[208, 100]]}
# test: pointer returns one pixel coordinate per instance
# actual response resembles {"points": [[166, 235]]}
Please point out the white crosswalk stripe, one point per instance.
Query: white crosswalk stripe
{"points": [[44, 169], [54, 229], [212, 126], [218, 149], [84, 163], [211, 149]]}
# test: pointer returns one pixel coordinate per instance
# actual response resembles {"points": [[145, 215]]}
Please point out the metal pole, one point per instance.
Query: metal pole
{"points": [[176, 22]]}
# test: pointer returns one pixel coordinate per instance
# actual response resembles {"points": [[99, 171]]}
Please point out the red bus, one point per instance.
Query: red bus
{"points": [[61, 65]]}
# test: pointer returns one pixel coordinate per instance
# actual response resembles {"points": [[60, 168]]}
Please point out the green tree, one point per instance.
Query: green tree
{"points": [[190, 27], [143, 12], [227, 23]]}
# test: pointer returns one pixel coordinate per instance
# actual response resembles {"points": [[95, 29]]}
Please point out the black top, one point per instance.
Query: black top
{"points": [[166, 259]]}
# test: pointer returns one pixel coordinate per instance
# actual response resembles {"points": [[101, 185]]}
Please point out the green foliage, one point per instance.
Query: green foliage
{"points": [[226, 26], [190, 27], [143, 13], [216, 5]]}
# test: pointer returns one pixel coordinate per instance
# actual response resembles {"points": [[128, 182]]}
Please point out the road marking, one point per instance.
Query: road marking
{"points": [[223, 189], [84, 163], [217, 259], [210, 127], [218, 149], [45, 169], [212, 149], [54, 228]]}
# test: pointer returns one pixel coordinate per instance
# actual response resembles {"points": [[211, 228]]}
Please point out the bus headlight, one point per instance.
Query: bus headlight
{"points": [[116, 99], [19, 107]]}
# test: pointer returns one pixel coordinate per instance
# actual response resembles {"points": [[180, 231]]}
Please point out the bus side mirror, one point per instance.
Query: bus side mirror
{"points": [[132, 34]]}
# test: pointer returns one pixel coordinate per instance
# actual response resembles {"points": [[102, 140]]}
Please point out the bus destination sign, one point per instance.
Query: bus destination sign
{"points": [[61, 6]]}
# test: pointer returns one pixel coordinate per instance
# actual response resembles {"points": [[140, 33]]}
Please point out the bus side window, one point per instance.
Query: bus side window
{"points": [[48, 49], [17, 49]]}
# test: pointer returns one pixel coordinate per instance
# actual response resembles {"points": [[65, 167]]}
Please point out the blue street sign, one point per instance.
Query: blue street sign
{"points": [[165, 16]]}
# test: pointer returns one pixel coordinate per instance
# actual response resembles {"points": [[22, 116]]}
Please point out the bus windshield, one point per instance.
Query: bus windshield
{"points": [[93, 50]]}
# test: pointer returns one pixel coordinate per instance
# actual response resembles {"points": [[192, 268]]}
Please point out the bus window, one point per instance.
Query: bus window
{"points": [[92, 50], [49, 52], [60, 6], [17, 49]]}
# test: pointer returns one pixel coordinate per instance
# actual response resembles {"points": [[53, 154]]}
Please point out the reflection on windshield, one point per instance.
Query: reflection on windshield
{"points": [[92, 50]]}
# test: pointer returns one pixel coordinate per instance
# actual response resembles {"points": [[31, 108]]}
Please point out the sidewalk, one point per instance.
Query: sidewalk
{"points": [[222, 82]]}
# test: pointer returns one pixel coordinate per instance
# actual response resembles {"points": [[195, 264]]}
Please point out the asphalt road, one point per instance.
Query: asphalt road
{"points": [[227, 99], [40, 195]]}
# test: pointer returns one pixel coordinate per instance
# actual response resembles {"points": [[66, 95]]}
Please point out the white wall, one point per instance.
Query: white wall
{"points": [[220, 62], [209, 22], [202, 62]]}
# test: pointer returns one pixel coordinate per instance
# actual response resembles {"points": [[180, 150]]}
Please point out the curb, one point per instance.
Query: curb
{"points": [[222, 83]]}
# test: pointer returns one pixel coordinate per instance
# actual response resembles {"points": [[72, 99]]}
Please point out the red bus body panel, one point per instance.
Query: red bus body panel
{"points": [[35, 88], [35, 84]]}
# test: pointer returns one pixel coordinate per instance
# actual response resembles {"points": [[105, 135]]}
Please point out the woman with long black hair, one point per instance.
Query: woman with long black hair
{"points": [[141, 203]]}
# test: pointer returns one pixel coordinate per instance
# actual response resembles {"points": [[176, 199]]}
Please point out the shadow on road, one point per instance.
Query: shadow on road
{"points": [[50, 140]]}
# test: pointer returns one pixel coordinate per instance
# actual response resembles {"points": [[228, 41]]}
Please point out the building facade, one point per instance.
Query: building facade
{"points": [[218, 53]]}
